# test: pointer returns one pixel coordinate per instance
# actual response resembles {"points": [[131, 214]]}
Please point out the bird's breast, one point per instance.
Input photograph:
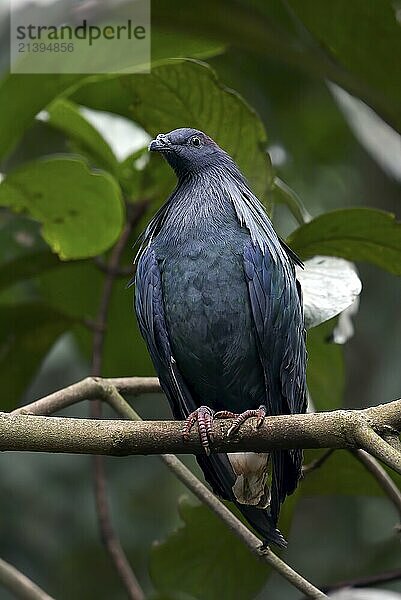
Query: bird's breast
{"points": [[210, 326]]}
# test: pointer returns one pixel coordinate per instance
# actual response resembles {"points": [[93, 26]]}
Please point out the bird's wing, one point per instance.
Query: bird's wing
{"points": [[276, 305], [150, 313]]}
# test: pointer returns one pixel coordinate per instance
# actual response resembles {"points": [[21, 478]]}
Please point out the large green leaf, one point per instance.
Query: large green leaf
{"points": [[188, 94], [355, 234], [325, 372], [28, 331], [205, 560], [81, 211], [65, 116]]}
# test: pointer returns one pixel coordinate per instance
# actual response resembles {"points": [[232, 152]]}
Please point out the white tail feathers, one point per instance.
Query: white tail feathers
{"points": [[251, 486]]}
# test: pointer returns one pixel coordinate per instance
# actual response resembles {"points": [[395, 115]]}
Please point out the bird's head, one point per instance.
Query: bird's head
{"points": [[188, 150]]}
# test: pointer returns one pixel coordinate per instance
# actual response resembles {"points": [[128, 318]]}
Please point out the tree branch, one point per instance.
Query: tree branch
{"points": [[393, 438], [238, 528], [336, 429], [382, 477], [207, 497], [110, 394], [119, 271], [367, 439], [375, 469], [317, 463], [89, 389], [22, 432], [367, 581], [19, 584]]}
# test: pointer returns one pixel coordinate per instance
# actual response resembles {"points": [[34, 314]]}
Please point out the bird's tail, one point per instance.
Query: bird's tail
{"points": [[286, 472], [221, 477], [262, 522]]}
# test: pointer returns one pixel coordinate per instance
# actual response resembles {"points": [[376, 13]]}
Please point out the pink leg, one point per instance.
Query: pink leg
{"points": [[204, 417]]}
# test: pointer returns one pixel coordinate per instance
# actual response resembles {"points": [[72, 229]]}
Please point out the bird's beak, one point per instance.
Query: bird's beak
{"points": [[159, 144]]}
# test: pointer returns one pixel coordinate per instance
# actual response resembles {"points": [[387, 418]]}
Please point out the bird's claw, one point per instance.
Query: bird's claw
{"points": [[260, 413], [204, 417]]}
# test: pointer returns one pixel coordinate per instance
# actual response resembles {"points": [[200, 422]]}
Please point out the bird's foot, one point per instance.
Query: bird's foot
{"points": [[204, 417], [239, 419]]}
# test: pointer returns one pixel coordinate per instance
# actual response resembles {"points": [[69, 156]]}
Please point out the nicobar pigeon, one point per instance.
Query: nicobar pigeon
{"points": [[220, 309]]}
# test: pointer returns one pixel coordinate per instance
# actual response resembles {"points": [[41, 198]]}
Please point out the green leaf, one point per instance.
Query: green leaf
{"points": [[65, 116], [356, 234], [188, 93], [325, 371], [205, 560], [28, 333], [81, 211]]}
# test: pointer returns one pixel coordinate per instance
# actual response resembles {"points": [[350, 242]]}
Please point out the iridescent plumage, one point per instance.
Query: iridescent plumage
{"points": [[220, 309]]}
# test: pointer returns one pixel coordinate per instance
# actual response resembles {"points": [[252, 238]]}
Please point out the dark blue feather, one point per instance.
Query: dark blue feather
{"points": [[277, 311]]}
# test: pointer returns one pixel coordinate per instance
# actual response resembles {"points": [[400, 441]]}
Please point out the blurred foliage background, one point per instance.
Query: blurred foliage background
{"points": [[74, 155]]}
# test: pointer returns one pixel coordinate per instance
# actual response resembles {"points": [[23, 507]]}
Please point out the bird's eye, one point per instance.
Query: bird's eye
{"points": [[196, 141]]}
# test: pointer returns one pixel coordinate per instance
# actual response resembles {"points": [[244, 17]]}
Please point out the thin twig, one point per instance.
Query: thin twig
{"points": [[367, 581], [88, 389], [19, 584], [317, 463], [125, 271], [375, 469], [382, 477], [108, 535]]}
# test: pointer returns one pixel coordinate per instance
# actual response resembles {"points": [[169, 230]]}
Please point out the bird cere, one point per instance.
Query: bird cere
{"points": [[220, 309]]}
